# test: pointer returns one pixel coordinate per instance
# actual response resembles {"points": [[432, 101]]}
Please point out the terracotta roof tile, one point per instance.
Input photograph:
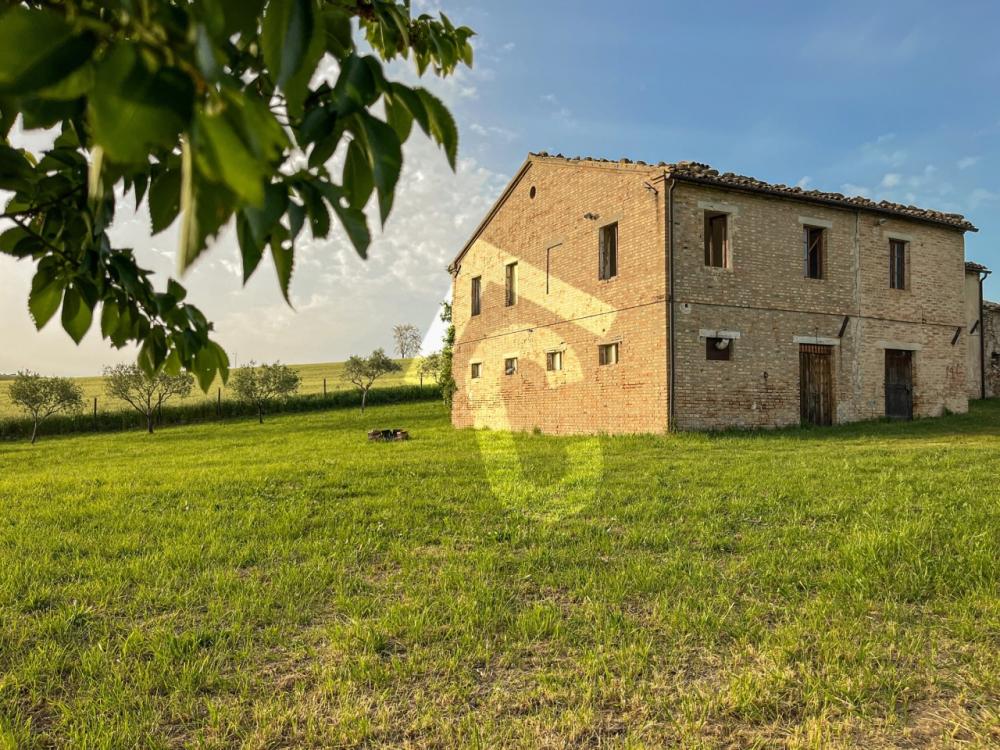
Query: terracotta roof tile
{"points": [[693, 171], [976, 267]]}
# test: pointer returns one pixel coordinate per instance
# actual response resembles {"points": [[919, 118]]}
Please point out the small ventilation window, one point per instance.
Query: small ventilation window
{"points": [[477, 369], [531, 193], [510, 365], [718, 349], [553, 361], [607, 354]]}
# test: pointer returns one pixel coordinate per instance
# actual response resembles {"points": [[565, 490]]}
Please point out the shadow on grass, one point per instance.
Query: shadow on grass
{"points": [[983, 418]]}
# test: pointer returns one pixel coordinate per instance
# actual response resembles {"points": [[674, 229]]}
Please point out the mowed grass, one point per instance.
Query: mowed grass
{"points": [[292, 585], [312, 382]]}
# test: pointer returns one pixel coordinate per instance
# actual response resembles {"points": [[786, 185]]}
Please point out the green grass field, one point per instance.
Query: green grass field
{"points": [[292, 585], [312, 382]]}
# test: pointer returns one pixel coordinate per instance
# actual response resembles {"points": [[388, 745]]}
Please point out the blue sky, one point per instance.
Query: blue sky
{"points": [[892, 100]]}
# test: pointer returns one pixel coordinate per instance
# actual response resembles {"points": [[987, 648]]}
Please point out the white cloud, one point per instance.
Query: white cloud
{"points": [[891, 180], [804, 182], [967, 161]]}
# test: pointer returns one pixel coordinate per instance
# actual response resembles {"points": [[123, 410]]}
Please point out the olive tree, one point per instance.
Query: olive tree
{"points": [[407, 338], [430, 366], [143, 392], [261, 385], [213, 113], [364, 371], [41, 397]]}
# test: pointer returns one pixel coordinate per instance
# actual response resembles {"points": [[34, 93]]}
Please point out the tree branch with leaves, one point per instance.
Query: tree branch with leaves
{"points": [[213, 112]]}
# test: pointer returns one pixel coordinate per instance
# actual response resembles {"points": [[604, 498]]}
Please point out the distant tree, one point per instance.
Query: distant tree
{"points": [[407, 338], [364, 371], [42, 397], [445, 378], [262, 385], [143, 392], [430, 366]]}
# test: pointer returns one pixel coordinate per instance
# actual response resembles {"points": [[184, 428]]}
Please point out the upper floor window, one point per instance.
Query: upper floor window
{"points": [[813, 239], [608, 254], [477, 295], [477, 369], [553, 361], [607, 354], [716, 239], [897, 264], [510, 365], [510, 284]]}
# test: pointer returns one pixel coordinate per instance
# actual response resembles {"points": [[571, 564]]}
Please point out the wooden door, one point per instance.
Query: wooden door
{"points": [[898, 384], [816, 384]]}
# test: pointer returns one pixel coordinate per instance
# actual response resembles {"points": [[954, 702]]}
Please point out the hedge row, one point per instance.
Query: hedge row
{"points": [[211, 411]]}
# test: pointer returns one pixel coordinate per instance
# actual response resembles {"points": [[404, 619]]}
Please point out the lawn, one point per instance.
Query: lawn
{"points": [[312, 382], [292, 585]]}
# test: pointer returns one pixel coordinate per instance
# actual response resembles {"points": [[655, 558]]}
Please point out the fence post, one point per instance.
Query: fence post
{"points": [[95, 413], [218, 407], [324, 387]]}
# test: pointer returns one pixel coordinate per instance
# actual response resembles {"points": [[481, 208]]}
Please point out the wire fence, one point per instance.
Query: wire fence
{"points": [[94, 419]]}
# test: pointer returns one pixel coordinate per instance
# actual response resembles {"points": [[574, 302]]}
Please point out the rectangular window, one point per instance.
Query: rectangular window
{"points": [[510, 365], [608, 252], [553, 361], [510, 285], [897, 264], [477, 295], [607, 354], [716, 239], [477, 369], [718, 349], [813, 240]]}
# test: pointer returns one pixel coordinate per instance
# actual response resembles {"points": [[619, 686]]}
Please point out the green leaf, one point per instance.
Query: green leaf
{"points": [[297, 87], [241, 170], [285, 36], [358, 181], [38, 49], [76, 314], [353, 219], [165, 199], [387, 160], [45, 296], [399, 118], [319, 215], [441, 124], [284, 262], [241, 16], [355, 88], [133, 109]]}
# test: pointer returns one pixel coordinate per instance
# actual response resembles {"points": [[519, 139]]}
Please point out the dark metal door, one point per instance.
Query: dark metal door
{"points": [[898, 384], [816, 384]]}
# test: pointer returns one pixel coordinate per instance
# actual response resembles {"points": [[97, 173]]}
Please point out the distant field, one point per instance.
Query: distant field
{"points": [[312, 382], [292, 585]]}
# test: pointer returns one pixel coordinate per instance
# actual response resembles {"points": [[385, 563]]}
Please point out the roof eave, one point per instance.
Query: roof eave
{"points": [[965, 226]]}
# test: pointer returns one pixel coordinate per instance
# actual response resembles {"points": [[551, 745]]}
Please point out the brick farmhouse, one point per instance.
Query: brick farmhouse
{"points": [[623, 297]]}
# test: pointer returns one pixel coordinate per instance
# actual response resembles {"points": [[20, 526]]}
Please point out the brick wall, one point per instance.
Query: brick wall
{"points": [[763, 294], [563, 305]]}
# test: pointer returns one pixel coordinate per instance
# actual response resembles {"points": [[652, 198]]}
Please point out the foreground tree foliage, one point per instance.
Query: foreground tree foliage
{"points": [[446, 378], [362, 372], [262, 385], [212, 112], [41, 397], [144, 392]]}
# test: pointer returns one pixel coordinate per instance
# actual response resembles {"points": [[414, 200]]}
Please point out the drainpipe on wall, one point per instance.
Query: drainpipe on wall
{"points": [[669, 229], [982, 338]]}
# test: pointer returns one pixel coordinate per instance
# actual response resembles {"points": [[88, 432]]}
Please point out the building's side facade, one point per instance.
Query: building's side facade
{"points": [[848, 317], [549, 223]]}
